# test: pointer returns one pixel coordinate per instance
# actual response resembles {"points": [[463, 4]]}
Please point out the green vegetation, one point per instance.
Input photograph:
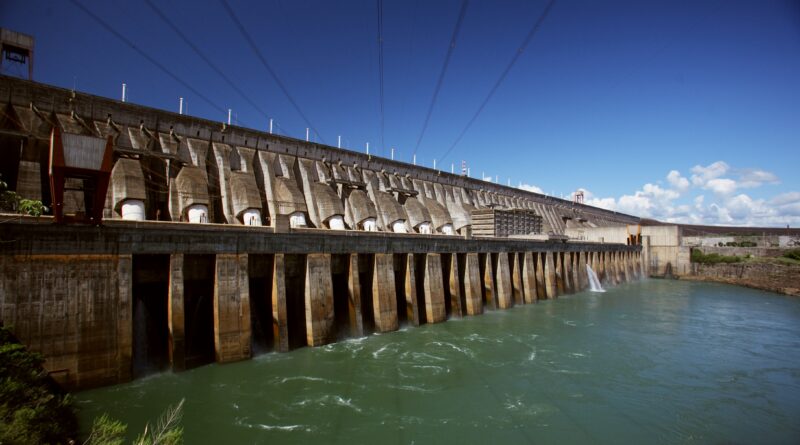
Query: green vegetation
{"points": [[793, 254], [713, 258], [33, 410], [740, 244], [12, 202], [167, 431]]}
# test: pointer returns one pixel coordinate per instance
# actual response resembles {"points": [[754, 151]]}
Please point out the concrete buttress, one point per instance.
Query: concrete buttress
{"points": [[410, 284], [516, 278], [505, 299], [583, 276], [529, 278], [354, 297], [489, 286], [125, 317], [560, 275], [177, 350], [472, 285], [280, 323], [454, 281], [434, 289], [550, 277], [231, 308], [319, 300], [384, 297], [541, 285]]}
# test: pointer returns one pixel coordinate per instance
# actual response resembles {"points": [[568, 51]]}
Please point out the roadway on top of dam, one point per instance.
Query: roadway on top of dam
{"points": [[37, 236]]}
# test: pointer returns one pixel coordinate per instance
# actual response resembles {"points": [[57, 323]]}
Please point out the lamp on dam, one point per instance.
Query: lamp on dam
{"points": [[197, 213], [251, 217], [133, 210], [399, 226]]}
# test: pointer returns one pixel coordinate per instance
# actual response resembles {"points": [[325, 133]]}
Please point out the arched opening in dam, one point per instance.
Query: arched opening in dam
{"points": [[366, 269], [260, 271], [295, 276], [198, 311], [402, 297], [150, 289], [343, 306], [486, 282], [447, 264]]}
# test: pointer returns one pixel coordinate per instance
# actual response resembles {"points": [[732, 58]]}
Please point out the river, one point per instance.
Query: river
{"points": [[657, 361]]}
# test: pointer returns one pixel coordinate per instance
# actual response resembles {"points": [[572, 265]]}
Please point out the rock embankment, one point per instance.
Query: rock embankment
{"points": [[770, 276]]}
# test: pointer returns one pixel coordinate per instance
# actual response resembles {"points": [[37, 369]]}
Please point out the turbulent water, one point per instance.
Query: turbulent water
{"points": [[654, 362]]}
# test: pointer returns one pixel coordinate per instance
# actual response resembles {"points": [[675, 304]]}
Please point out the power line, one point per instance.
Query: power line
{"points": [[158, 65], [380, 64], [502, 77], [208, 61], [450, 49], [266, 64]]}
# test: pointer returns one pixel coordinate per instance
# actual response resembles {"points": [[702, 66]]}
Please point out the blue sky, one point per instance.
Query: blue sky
{"points": [[684, 111]]}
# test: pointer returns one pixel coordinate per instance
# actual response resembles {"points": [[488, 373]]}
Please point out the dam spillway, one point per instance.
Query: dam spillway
{"points": [[217, 241]]}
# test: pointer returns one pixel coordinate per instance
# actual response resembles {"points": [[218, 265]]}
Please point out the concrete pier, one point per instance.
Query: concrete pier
{"points": [[231, 308], [175, 313], [529, 277], [472, 285], [516, 278], [279, 315], [319, 300], [434, 289], [505, 299], [410, 288], [384, 297], [550, 277]]}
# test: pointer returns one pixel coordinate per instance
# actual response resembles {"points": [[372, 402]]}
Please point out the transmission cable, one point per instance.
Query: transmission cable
{"points": [[380, 65], [150, 59], [266, 64], [502, 77], [208, 61], [438, 87]]}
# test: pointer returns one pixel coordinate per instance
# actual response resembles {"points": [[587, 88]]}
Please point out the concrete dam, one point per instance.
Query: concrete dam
{"points": [[176, 241]]}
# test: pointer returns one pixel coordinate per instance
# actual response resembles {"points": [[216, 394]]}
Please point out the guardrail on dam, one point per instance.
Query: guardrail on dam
{"points": [[218, 242]]}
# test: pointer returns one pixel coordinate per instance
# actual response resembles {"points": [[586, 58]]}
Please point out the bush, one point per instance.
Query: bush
{"points": [[32, 408], [793, 254], [713, 258], [747, 244]]}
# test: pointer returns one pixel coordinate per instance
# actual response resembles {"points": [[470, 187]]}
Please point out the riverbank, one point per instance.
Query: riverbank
{"points": [[774, 275]]}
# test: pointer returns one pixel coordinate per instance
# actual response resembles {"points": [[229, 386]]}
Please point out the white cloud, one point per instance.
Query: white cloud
{"points": [[723, 186], [526, 187], [786, 198], [676, 203], [750, 178], [701, 175], [677, 181]]}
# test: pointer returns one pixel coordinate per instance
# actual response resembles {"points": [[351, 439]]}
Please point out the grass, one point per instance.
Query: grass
{"points": [[713, 258]]}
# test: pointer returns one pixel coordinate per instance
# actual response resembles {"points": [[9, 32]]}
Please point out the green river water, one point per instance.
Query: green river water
{"points": [[650, 362]]}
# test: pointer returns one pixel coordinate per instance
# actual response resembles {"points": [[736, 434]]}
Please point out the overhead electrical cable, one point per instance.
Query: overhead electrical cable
{"points": [[380, 66], [446, 63], [149, 58], [502, 77], [208, 61], [269, 69]]}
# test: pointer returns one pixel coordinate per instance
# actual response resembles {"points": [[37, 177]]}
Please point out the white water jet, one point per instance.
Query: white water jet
{"points": [[594, 282]]}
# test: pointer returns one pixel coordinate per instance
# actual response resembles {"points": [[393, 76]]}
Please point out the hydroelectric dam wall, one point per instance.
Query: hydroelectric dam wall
{"points": [[218, 241]]}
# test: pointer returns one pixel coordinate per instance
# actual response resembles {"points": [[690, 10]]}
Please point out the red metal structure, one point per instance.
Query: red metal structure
{"points": [[88, 159]]}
